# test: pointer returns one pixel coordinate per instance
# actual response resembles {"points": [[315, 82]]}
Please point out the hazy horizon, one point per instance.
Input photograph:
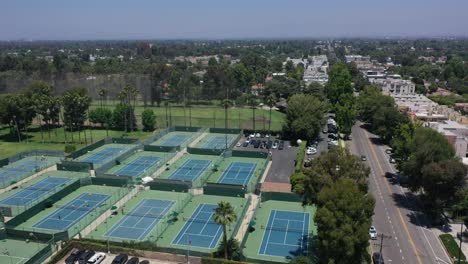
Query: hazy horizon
{"points": [[211, 19]]}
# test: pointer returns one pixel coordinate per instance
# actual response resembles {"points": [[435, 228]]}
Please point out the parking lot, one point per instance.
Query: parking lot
{"points": [[283, 159]]}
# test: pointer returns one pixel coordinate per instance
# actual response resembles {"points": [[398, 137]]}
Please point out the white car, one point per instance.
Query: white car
{"points": [[257, 135], [333, 143], [251, 136], [97, 258], [311, 151], [373, 233], [238, 144], [275, 145]]}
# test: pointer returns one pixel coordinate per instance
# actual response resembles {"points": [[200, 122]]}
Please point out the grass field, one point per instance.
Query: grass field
{"points": [[9, 143], [213, 116]]}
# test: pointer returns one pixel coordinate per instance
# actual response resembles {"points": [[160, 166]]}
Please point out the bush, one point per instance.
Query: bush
{"points": [[234, 250], [297, 182], [451, 246], [148, 120], [100, 116], [300, 156], [123, 117], [70, 148]]}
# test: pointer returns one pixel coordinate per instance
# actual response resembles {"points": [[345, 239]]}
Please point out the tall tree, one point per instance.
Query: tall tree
{"points": [[270, 101], [76, 102], [305, 117], [343, 220], [339, 82], [426, 147], [224, 215], [331, 166]]}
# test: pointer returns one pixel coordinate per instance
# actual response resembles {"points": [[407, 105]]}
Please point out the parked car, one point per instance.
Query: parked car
{"points": [[281, 145], [85, 256], [257, 144], [269, 144], [253, 141], [120, 259], [238, 144], [325, 131], [373, 233], [246, 144], [377, 258], [74, 255], [97, 258], [257, 135], [392, 161], [275, 145], [311, 151], [363, 158], [389, 151], [133, 260], [333, 135], [144, 262]]}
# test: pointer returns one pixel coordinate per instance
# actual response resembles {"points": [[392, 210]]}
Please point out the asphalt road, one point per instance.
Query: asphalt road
{"points": [[407, 238]]}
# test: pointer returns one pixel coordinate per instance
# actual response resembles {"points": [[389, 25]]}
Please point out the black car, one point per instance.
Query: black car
{"points": [[269, 144], [85, 256], [133, 260], [257, 144], [74, 255], [253, 141], [377, 258], [120, 259], [246, 144], [144, 262]]}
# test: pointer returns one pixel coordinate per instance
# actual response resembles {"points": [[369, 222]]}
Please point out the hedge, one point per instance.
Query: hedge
{"points": [[451, 246], [208, 260], [300, 156]]}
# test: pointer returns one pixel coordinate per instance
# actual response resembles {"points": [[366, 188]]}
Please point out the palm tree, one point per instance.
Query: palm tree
{"points": [[224, 215], [102, 95], [253, 103], [271, 101]]}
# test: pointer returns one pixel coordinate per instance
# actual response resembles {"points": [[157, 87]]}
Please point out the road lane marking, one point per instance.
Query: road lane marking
{"points": [[415, 215], [390, 191]]}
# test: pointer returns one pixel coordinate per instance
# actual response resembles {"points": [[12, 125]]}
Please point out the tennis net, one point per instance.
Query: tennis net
{"points": [[147, 214], [283, 229], [197, 220]]}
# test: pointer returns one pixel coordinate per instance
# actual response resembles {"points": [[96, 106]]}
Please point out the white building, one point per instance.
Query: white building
{"points": [[396, 86]]}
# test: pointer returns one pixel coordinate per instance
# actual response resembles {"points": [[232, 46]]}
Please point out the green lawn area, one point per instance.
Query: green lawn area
{"points": [[451, 245], [213, 116], [36, 140]]}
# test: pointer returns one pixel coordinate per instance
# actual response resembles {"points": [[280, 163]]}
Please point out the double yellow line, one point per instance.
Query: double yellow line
{"points": [[390, 191]]}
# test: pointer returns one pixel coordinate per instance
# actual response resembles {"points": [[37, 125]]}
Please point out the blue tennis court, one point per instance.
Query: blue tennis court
{"points": [[190, 170], [286, 234], [138, 166], [28, 164], [174, 140], [238, 173], [34, 192], [141, 220], [71, 213], [200, 230], [218, 142], [103, 155]]}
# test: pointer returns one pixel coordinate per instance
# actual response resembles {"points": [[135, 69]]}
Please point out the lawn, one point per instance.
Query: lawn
{"points": [[451, 245], [36, 140], [213, 116]]}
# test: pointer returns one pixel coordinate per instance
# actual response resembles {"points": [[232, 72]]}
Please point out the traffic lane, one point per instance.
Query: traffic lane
{"points": [[417, 221], [384, 212]]}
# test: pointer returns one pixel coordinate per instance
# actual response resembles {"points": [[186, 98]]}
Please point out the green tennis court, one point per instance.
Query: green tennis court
{"points": [[174, 139]]}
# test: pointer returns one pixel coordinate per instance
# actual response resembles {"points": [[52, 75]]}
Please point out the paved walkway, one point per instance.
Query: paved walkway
{"points": [[248, 217]]}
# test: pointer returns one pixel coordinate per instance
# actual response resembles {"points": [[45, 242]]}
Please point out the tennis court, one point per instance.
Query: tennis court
{"points": [[35, 192], [173, 140], [238, 173], [141, 220], [218, 142], [138, 166], [103, 155], [286, 234], [72, 212], [190, 170], [200, 230]]}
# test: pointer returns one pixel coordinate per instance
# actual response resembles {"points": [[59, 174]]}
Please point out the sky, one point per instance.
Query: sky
{"points": [[227, 19]]}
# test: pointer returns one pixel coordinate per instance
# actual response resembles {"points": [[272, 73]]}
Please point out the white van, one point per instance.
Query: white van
{"points": [[97, 258]]}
